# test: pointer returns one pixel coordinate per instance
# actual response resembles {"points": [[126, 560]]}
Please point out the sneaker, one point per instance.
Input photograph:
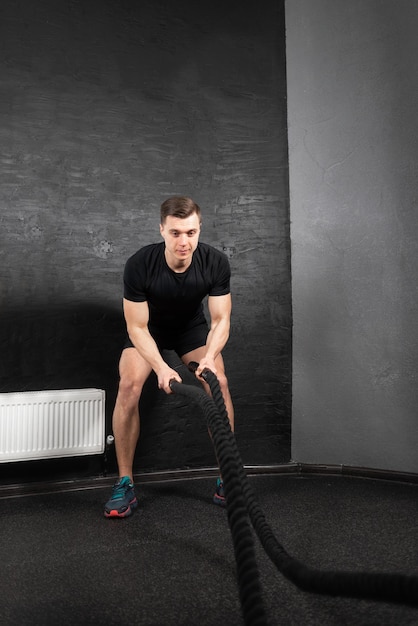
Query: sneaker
{"points": [[219, 497], [122, 500]]}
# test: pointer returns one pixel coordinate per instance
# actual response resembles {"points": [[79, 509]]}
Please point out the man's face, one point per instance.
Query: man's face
{"points": [[181, 237]]}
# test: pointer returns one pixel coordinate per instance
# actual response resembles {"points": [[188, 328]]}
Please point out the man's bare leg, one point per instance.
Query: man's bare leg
{"points": [[197, 355], [134, 371]]}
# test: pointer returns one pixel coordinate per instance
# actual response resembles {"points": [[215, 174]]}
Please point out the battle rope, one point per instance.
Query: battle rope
{"points": [[241, 532], [391, 587]]}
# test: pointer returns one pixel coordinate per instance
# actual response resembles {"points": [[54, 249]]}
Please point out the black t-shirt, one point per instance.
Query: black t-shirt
{"points": [[175, 299]]}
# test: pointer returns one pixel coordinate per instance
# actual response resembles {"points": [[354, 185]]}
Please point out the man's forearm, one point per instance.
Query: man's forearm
{"points": [[217, 338]]}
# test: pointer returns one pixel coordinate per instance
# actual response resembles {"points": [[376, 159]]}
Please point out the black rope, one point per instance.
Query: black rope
{"points": [[240, 527], [390, 587]]}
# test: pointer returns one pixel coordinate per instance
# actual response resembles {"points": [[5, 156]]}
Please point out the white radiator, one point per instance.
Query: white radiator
{"points": [[51, 424]]}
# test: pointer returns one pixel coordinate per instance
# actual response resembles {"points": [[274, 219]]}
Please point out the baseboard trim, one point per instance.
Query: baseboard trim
{"points": [[358, 472], [299, 469]]}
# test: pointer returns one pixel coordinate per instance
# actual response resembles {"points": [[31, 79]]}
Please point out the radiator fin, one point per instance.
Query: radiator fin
{"points": [[51, 424]]}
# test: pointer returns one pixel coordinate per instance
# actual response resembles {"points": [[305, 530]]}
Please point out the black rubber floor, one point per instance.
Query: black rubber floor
{"points": [[172, 562]]}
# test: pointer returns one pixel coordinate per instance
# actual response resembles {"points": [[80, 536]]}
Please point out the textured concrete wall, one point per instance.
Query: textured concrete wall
{"points": [[106, 109], [353, 155]]}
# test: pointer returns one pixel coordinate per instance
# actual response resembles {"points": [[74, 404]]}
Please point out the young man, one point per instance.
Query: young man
{"points": [[164, 286]]}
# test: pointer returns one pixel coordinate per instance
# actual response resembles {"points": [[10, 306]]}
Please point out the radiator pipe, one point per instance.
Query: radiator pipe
{"points": [[110, 440]]}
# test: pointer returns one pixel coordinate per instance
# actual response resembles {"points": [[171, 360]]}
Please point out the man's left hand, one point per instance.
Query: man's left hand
{"points": [[206, 363]]}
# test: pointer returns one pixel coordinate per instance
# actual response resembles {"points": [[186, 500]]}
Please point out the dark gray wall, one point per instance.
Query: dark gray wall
{"points": [[353, 155], [106, 109]]}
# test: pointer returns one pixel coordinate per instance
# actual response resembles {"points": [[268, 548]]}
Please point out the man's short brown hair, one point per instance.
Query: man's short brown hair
{"points": [[179, 206]]}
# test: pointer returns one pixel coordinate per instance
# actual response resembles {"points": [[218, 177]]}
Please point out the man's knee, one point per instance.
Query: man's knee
{"points": [[130, 388], [133, 372], [223, 381]]}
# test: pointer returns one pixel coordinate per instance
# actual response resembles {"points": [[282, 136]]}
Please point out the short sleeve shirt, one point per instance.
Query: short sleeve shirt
{"points": [[175, 300]]}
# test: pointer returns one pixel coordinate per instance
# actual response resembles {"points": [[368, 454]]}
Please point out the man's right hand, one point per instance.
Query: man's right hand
{"points": [[165, 375]]}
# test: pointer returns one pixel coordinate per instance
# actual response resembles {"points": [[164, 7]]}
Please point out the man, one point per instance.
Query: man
{"points": [[164, 286]]}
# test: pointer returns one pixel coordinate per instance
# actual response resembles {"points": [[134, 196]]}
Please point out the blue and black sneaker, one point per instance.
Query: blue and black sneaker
{"points": [[219, 497], [122, 500]]}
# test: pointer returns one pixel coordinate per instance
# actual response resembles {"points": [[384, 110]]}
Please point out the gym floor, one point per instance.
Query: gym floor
{"points": [[171, 563]]}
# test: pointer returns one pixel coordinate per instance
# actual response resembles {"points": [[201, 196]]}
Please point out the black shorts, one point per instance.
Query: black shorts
{"points": [[181, 341]]}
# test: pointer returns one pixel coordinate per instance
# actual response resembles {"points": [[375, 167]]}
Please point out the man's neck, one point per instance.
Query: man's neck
{"points": [[177, 265]]}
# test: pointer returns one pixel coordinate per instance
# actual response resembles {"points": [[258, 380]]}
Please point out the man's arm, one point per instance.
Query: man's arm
{"points": [[137, 317], [220, 308]]}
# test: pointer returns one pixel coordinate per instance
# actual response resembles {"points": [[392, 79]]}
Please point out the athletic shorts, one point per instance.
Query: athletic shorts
{"points": [[181, 341]]}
